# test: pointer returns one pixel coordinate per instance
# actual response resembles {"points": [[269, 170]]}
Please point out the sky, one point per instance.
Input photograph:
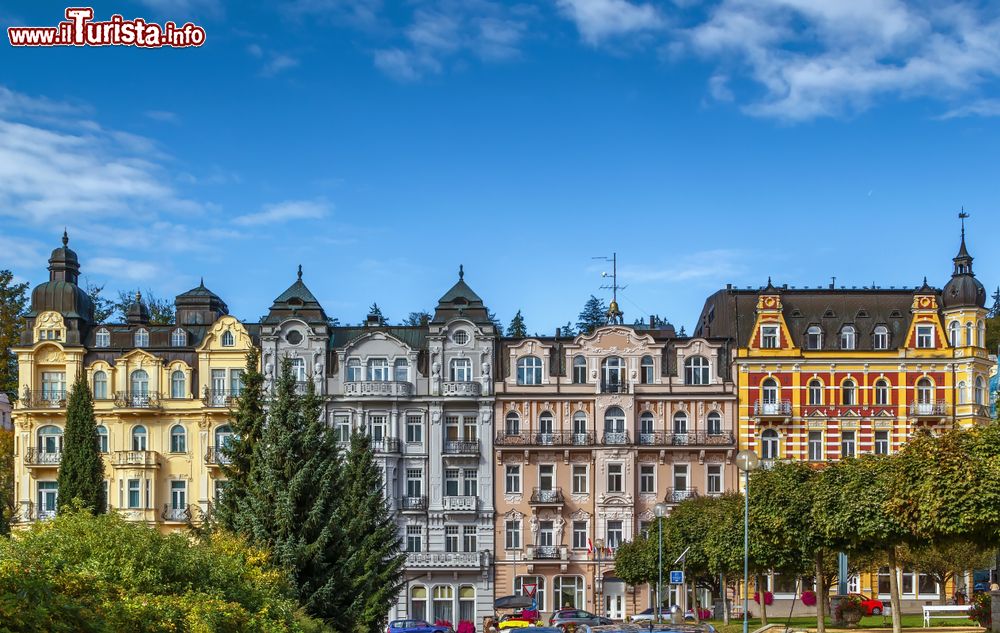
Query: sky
{"points": [[382, 144]]}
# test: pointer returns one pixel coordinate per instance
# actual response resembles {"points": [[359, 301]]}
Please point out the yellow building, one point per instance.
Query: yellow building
{"points": [[161, 397]]}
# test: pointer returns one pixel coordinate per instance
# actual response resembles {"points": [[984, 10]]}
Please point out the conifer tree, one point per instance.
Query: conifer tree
{"points": [[81, 470], [13, 302], [516, 328], [375, 563], [593, 315]]}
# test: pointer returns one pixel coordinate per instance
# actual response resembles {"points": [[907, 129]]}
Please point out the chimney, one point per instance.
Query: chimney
{"points": [[424, 320], [652, 321], [558, 331]]}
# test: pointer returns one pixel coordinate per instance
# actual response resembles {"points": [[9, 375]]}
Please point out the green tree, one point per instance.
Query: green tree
{"points": [[516, 328], [375, 563], [567, 330], [7, 498], [495, 321], [943, 561], [416, 318], [376, 311], [13, 302], [81, 469], [593, 315], [103, 307], [161, 311]]}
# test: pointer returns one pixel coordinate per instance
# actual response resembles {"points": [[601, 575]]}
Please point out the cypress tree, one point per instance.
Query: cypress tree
{"points": [[81, 471], [374, 567]]}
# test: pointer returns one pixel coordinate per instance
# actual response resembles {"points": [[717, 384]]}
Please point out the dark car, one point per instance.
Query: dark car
{"points": [[415, 626], [577, 616]]}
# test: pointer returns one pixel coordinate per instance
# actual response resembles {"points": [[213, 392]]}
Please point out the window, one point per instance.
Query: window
{"points": [[579, 370], [223, 436], [968, 333], [769, 391], [980, 391], [769, 444], [579, 535], [567, 591], [50, 442], [981, 334], [714, 479], [680, 423], [470, 482], [954, 334], [53, 385], [236, 382], [512, 424], [925, 392], [354, 370], [646, 428], [616, 534], [414, 429], [461, 337], [512, 534], [546, 476], [342, 427], [141, 337], [680, 478], [848, 393], [847, 448], [881, 392], [461, 370], [513, 479], [102, 438], [102, 338], [613, 372], [228, 340], [378, 369], [614, 423], [539, 582], [616, 478], [646, 367], [581, 482], [470, 540], [769, 336], [178, 439], [299, 369], [696, 371], [647, 478], [579, 426], [178, 338], [963, 396], [545, 428], [815, 392], [444, 596], [467, 603], [134, 493], [414, 482], [815, 446], [178, 494], [881, 442], [847, 337], [418, 602], [714, 423], [139, 438], [451, 538], [814, 337], [529, 371], [925, 336], [880, 339], [177, 384], [414, 538], [48, 495], [401, 370], [100, 385]]}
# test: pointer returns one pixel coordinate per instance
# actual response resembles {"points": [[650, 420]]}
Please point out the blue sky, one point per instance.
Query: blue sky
{"points": [[382, 144]]}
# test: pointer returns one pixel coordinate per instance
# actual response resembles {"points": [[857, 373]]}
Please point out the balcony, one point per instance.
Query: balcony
{"points": [[695, 438], [386, 445], [676, 495], [220, 398], [461, 389], [176, 515], [559, 438], [36, 457], [935, 410], [547, 496], [413, 504], [781, 409], [141, 459], [461, 447], [614, 387], [461, 504], [443, 559], [616, 438], [44, 399], [378, 388], [215, 457], [137, 400], [546, 552]]}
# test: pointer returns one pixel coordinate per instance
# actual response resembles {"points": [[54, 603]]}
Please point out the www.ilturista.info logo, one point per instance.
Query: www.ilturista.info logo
{"points": [[79, 29]]}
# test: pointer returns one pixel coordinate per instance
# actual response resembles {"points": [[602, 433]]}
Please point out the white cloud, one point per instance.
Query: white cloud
{"points": [[713, 265], [278, 63], [601, 20], [122, 268], [285, 211], [162, 115], [979, 107]]}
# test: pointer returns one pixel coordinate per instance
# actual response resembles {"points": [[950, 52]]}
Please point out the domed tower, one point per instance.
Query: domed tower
{"points": [[963, 301], [62, 294]]}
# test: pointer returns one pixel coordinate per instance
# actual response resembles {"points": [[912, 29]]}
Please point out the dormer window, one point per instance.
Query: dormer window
{"points": [[354, 370], [925, 336], [178, 338], [847, 337], [880, 339], [102, 338], [378, 369], [769, 336], [579, 370], [814, 337], [228, 340], [529, 371], [141, 337]]}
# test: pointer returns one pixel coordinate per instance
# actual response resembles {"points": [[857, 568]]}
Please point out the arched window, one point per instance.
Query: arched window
{"points": [[614, 426], [512, 424], [696, 371], [401, 370], [953, 333], [139, 388], [815, 392], [848, 393], [647, 370], [178, 439], [847, 337], [223, 436], [881, 392], [646, 428], [545, 430], [354, 370], [461, 370], [444, 598], [102, 438], [981, 334], [925, 392], [769, 444], [963, 396], [100, 385], [880, 339], [968, 333], [814, 337], [299, 369], [228, 340], [177, 384], [139, 437], [141, 337], [714, 423], [680, 423], [613, 374], [102, 338], [579, 370], [50, 442], [418, 602], [579, 427], [529, 370], [980, 390], [467, 603], [769, 391], [178, 338]]}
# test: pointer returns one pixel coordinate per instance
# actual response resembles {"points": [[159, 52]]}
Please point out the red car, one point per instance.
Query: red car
{"points": [[871, 605]]}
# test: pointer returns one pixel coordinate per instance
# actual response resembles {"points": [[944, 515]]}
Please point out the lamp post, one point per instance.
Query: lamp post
{"points": [[746, 461], [599, 580], [660, 510]]}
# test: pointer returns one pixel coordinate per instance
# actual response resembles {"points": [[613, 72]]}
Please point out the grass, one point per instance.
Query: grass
{"points": [[909, 621]]}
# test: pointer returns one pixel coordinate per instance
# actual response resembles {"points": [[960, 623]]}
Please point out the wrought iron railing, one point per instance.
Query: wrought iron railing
{"points": [[181, 514], [214, 455], [137, 399], [546, 495], [388, 445], [614, 387], [413, 504], [777, 408], [544, 552], [461, 447], [220, 398], [557, 438], [935, 409], [616, 437], [36, 457], [42, 399], [676, 495]]}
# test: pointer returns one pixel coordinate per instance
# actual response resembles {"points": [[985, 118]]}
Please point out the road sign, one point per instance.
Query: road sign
{"points": [[530, 588], [677, 578]]}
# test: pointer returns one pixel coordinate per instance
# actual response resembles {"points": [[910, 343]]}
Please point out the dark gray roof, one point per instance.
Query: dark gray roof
{"points": [[461, 301], [296, 301], [414, 336]]}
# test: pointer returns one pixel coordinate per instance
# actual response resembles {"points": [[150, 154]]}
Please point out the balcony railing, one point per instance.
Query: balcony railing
{"points": [[413, 504], [380, 388], [35, 457], [137, 399], [44, 399], [929, 409], [781, 408], [616, 437], [461, 389], [558, 438], [388, 445], [180, 515], [443, 559], [614, 387], [547, 496], [546, 552], [461, 504], [461, 447], [135, 458], [215, 456], [676, 495], [694, 438], [220, 398]]}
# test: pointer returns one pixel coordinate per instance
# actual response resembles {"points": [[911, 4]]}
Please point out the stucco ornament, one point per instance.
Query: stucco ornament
{"points": [[559, 525], [533, 523]]}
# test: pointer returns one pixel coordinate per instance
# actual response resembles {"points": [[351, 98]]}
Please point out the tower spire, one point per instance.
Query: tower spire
{"points": [[461, 272], [300, 272], [65, 238], [963, 261]]}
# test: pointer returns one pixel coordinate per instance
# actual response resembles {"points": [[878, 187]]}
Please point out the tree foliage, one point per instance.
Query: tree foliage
{"points": [[104, 308], [593, 315], [516, 329], [375, 311], [416, 318], [161, 311], [13, 303], [81, 469], [7, 498]]}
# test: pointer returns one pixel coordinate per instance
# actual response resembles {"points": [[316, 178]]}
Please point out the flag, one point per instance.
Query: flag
{"points": [[590, 548]]}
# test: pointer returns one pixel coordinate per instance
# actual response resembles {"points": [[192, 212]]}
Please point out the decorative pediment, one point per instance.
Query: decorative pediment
{"points": [[513, 515], [615, 339], [140, 358], [580, 515]]}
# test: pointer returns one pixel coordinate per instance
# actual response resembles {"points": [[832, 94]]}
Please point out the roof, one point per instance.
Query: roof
{"points": [[296, 301], [414, 336], [461, 301]]}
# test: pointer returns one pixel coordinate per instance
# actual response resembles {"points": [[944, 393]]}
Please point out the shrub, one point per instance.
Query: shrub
{"points": [[768, 598], [466, 627], [809, 598], [981, 610], [847, 605]]}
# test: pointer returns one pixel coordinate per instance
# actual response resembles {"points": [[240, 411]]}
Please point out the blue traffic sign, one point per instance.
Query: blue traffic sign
{"points": [[677, 578]]}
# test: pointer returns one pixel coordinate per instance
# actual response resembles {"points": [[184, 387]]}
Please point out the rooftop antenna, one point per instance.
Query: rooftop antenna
{"points": [[961, 216], [614, 313]]}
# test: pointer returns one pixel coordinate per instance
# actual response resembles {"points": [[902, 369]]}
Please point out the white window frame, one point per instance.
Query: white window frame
{"points": [[810, 444], [925, 337], [512, 479], [647, 478], [769, 336], [616, 480]]}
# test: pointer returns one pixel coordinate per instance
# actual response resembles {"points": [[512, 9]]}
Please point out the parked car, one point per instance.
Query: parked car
{"points": [[871, 605], [647, 615], [414, 626], [577, 616]]}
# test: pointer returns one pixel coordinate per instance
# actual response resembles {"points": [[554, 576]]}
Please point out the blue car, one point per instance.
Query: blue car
{"points": [[415, 626]]}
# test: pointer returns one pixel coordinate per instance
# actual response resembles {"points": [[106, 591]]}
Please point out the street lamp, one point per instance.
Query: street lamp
{"points": [[599, 580], [660, 510], [746, 461]]}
